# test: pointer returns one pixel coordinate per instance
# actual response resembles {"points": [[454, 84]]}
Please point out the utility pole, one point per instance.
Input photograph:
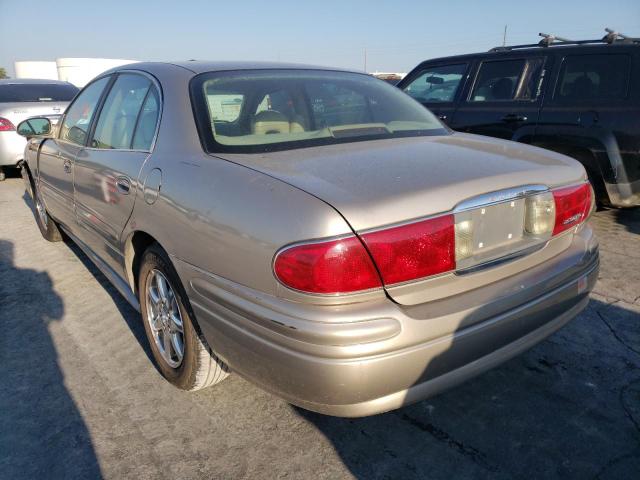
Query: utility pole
{"points": [[504, 37]]}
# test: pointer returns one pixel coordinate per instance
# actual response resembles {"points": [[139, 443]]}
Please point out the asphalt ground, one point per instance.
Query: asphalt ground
{"points": [[80, 397]]}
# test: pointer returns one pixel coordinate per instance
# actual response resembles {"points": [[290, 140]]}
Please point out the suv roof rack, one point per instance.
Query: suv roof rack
{"points": [[549, 40]]}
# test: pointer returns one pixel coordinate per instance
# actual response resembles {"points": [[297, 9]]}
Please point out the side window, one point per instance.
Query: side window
{"points": [[497, 81], [147, 121], [119, 114], [437, 84], [593, 77], [77, 120]]}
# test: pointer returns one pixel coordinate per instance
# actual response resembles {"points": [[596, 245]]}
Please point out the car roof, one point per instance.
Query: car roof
{"points": [[533, 50], [199, 66], [32, 81]]}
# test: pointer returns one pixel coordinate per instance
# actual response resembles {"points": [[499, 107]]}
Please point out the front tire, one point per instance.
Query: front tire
{"points": [[179, 349], [48, 227]]}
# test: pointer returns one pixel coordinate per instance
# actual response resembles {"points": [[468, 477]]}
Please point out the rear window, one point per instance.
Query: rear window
{"points": [[37, 93], [263, 110], [593, 77]]}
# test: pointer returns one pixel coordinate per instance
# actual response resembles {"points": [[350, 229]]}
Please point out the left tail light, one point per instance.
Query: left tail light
{"points": [[6, 125], [331, 267]]}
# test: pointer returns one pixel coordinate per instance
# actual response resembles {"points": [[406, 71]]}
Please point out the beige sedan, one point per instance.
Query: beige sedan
{"points": [[316, 231]]}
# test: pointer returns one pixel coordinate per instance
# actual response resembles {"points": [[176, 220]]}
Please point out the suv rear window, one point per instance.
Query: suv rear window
{"points": [[36, 93], [591, 77]]}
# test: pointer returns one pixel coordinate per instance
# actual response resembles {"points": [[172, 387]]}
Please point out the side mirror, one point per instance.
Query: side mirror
{"points": [[34, 127]]}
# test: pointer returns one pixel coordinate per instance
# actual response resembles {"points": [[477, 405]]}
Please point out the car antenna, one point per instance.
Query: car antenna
{"points": [[548, 39]]}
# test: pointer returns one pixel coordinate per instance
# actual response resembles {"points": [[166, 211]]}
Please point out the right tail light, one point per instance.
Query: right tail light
{"points": [[573, 205]]}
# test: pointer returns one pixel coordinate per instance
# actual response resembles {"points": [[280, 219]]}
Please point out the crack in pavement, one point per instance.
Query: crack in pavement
{"points": [[470, 452], [614, 333]]}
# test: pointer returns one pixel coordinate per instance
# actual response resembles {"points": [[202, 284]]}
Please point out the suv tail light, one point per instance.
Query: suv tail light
{"points": [[572, 206], [335, 266], [6, 125], [455, 241]]}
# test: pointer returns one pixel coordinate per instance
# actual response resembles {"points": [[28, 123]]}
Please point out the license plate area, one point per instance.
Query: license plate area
{"points": [[486, 233]]}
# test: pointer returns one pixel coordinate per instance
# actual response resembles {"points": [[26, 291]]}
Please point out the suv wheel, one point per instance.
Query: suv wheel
{"points": [[179, 349]]}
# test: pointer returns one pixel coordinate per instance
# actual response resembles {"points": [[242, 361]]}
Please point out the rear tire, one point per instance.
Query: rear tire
{"points": [[180, 351], [48, 227]]}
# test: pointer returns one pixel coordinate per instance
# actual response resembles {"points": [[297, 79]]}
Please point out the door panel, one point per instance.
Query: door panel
{"points": [[106, 172], [57, 156], [504, 100], [56, 179], [106, 185]]}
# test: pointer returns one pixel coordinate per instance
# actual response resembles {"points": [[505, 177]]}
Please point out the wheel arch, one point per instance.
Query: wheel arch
{"points": [[134, 247]]}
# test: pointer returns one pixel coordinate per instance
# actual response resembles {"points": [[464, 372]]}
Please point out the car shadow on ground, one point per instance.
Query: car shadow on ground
{"points": [[36, 410], [629, 218], [568, 408], [129, 314]]}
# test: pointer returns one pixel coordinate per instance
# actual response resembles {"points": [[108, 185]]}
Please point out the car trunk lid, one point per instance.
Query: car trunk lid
{"points": [[385, 183], [16, 112]]}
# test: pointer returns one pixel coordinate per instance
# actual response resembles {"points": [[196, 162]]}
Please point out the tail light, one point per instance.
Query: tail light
{"points": [[441, 244], [335, 266], [6, 125], [413, 251], [572, 206]]}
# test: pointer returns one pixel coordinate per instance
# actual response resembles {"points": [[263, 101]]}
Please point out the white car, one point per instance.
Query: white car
{"points": [[21, 99]]}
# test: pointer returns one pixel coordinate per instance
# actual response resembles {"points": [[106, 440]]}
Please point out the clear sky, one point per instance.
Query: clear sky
{"points": [[396, 34]]}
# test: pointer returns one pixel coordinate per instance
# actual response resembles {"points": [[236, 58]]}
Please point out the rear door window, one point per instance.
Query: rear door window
{"points": [[437, 84], [147, 122], [593, 77], [11, 93], [497, 81], [119, 114]]}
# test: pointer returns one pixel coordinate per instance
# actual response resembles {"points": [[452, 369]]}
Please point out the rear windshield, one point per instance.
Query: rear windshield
{"points": [[37, 93], [264, 110]]}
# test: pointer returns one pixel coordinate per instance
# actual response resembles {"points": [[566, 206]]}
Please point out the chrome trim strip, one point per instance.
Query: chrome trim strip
{"points": [[499, 196]]}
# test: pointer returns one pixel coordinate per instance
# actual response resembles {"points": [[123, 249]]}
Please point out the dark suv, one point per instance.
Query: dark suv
{"points": [[577, 98]]}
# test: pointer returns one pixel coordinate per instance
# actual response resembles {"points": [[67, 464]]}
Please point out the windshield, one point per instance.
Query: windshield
{"points": [[16, 92], [263, 110]]}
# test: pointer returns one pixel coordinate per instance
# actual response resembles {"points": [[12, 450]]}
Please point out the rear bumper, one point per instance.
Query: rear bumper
{"points": [[11, 148], [331, 366]]}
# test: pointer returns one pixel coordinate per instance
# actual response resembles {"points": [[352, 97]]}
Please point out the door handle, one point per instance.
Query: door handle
{"points": [[442, 117], [514, 117], [67, 166], [123, 185]]}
